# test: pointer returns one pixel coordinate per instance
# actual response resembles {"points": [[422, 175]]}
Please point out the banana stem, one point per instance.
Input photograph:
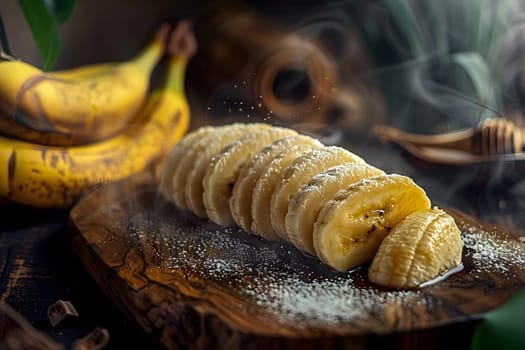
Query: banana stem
{"points": [[181, 47]]}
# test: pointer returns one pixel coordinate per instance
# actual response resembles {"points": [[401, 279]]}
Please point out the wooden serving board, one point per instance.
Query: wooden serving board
{"points": [[192, 284]]}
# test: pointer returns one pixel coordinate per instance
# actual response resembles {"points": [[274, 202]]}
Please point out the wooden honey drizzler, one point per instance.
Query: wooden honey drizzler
{"points": [[492, 151], [492, 137]]}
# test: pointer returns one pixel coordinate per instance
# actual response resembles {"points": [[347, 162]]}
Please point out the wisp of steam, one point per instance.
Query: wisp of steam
{"points": [[456, 62]]}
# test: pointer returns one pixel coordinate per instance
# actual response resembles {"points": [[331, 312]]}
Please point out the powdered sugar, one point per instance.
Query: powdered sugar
{"points": [[490, 253], [293, 289]]}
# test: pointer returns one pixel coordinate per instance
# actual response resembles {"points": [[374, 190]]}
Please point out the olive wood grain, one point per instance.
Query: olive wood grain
{"points": [[191, 284]]}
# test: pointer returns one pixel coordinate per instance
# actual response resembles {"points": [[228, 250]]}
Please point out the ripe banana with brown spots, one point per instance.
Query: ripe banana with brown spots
{"points": [[47, 176], [76, 106]]}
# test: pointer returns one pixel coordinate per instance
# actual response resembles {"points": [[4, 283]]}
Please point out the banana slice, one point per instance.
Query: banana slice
{"points": [[265, 185], [305, 205], [224, 168], [174, 157], [299, 172], [350, 227], [192, 172], [418, 249], [187, 160], [241, 200]]}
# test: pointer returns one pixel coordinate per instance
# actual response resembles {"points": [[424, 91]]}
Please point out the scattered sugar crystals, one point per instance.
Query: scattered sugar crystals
{"points": [[289, 286], [492, 254]]}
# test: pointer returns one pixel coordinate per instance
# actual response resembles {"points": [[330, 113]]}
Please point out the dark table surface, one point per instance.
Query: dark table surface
{"points": [[38, 265]]}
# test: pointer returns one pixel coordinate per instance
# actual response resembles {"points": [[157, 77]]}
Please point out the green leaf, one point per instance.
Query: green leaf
{"points": [[502, 328], [44, 18]]}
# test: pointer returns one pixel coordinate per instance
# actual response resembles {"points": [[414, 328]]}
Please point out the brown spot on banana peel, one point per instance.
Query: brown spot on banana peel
{"points": [[175, 117], [43, 154], [11, 165], [55, 159]]}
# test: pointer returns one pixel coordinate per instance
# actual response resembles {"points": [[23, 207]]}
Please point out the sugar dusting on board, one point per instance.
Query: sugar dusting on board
{"points": [[490, 253], [291, 287]]}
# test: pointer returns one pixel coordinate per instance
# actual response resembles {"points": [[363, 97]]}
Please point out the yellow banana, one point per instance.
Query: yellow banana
{"points": [[48, 176], [79, 105]]}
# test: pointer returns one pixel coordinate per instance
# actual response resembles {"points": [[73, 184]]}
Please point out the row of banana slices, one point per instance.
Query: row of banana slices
{"points": [[328, 202]]}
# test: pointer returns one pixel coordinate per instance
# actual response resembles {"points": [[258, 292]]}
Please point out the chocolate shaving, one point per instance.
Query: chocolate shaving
{"points": [[59, 310], [97, 339], [16, 333]]}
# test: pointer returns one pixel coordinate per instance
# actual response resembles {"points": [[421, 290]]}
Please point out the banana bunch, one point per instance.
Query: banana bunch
{"points": [[129, 129], [327, 201]]}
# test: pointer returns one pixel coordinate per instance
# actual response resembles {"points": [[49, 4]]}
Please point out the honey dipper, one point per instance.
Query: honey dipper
{"points": [[492, 137]]}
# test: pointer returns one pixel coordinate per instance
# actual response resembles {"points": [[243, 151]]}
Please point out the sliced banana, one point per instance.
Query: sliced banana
{"points": [[299, 172], [325, 200], [241, 200], [305, 204], [350, 227], [199, 160], [418, 249], [224, 168], [262, 192], [174, 157], [187, 160]]}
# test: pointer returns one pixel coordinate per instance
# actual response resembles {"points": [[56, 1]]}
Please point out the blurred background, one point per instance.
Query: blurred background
{"points": [[422, 66]]}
